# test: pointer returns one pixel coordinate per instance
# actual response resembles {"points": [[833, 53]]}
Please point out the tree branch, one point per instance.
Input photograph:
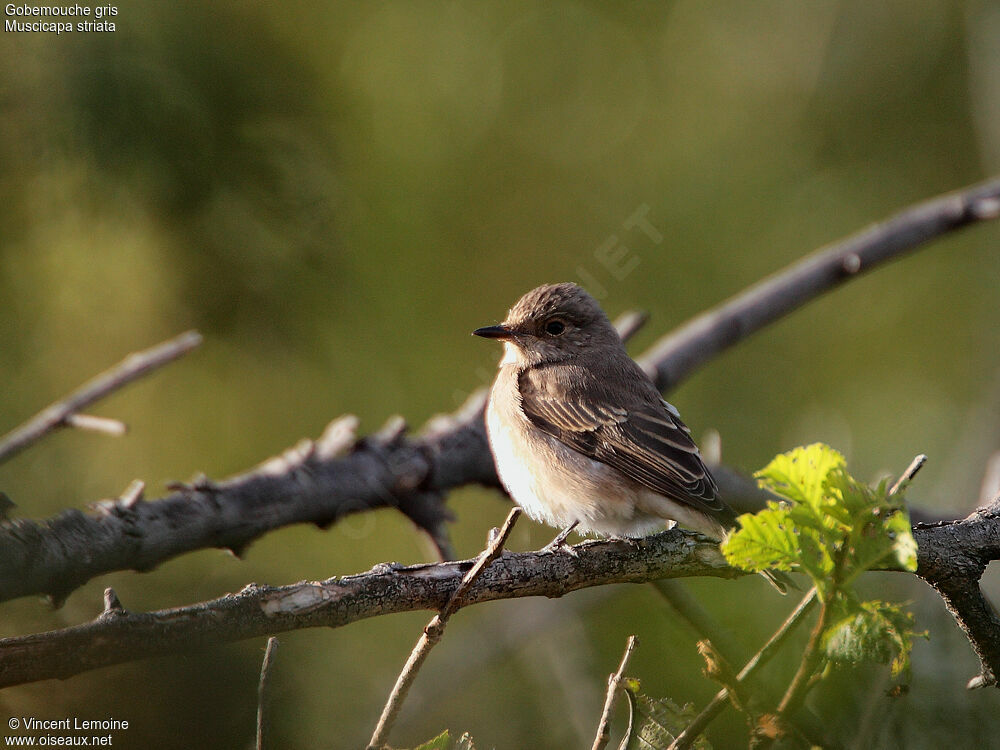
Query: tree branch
{"points": [[385, 589], [316, 482], [434, 630], [320, 482], [66, 412], [678, 354], [952, 558], [944, 555]]}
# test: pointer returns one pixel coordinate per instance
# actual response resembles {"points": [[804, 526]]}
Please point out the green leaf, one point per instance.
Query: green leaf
{"points": [[800, 474], [904, 546], [830, 526], [871, 631], [441, 742], [764, 540], [655, 722], [444, 742]]}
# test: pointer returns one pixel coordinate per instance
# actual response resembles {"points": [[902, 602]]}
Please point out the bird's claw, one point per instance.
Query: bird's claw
{"points": [[559, 543]]}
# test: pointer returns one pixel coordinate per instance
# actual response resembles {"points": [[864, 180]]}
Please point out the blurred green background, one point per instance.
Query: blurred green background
{"points": [[336, 194]]}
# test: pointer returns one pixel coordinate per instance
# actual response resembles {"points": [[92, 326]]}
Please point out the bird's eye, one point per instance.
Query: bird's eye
{"points": [[555, 327]]}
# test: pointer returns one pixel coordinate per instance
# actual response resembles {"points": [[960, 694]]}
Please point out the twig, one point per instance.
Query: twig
{"points": [[629, 323], [715, 706], [132, 367], [614, 681], [263, 725], [801, 681], [675, 356], [907, 476], [434, 630], [105, 425]]}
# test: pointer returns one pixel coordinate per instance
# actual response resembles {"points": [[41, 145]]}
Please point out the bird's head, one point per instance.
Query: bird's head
{"points": [[552, 323]]}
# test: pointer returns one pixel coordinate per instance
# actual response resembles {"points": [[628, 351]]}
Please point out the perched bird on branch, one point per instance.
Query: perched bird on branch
{"points": [[581, 437]]}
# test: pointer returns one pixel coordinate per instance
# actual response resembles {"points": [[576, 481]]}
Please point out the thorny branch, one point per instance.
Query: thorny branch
{"points": [[320, 482], [118, 635]]}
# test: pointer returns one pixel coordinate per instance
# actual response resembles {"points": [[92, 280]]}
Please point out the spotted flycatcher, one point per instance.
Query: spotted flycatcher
{"points": [[580, 434]]}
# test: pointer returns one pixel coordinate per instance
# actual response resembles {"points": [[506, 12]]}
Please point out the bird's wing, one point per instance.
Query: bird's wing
{"points": [[643, 438]]}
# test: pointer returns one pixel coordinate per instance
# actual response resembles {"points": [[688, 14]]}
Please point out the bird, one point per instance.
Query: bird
{"points": [[582, 438]]}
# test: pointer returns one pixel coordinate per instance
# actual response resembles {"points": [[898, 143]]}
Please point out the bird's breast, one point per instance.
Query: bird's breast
{"points": [[552, 482]]}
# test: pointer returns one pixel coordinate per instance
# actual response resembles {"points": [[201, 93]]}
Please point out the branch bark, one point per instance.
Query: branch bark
{"points": [[945, 554], [118, 635], [952, 558]]}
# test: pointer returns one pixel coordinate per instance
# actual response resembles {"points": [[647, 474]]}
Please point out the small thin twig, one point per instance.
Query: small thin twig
{"points": [[262, 696], [434, 630], [768, 650], [134, 366], [907, 476], [106, 425], [628, 323], [614, 681]]}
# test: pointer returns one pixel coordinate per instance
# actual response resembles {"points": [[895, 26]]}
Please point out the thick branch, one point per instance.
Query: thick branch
{"points": [[952, 558], [314, 483], [119, 636], [944, 555]]}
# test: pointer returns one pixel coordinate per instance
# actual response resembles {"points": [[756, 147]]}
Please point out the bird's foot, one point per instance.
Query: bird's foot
{"points": [[559, 543]]}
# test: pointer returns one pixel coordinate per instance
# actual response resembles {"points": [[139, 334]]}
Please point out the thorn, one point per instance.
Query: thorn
{"points": [[112, 427], [103, 507], [980, 681], [132, 495], [392, 430], [337, 437], [907, 476], [203, 484], [112, 604]]}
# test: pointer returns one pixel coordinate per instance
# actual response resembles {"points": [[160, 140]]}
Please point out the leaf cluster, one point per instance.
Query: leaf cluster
{"points": [[832, 528]]}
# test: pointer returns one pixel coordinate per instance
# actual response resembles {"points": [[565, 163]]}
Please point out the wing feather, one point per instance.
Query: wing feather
{"points": [[642, 437]]}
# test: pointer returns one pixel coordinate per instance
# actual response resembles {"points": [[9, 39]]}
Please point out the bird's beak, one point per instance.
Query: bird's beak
{"points": [[494, 332]]}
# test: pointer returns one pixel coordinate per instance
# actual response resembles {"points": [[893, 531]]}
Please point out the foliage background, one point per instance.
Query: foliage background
{"points": [[335, 194]]}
